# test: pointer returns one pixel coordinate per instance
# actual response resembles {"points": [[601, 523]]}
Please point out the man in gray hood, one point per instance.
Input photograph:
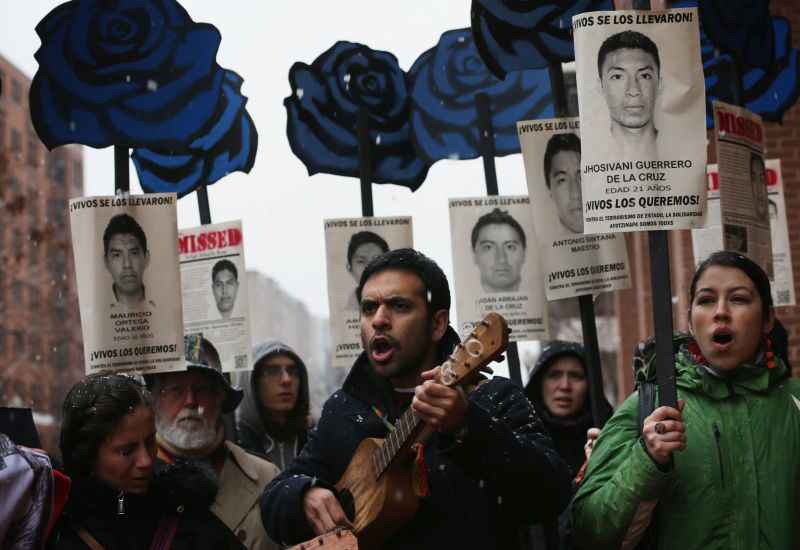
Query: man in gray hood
{"points": [[274, 417]]}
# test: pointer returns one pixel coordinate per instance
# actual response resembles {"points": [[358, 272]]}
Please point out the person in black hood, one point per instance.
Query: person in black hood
{"points": [[488, 465], [119, 500], [559, 390], [274, 417]]}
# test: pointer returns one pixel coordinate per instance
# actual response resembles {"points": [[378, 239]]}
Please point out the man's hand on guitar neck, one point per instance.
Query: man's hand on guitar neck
{"points": [[443, 407], [323, 511]]}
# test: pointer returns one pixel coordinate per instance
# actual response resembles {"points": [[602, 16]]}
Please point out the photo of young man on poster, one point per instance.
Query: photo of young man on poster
{"points": [[629, 67], [126, 258], [225, 286], [498, 247], [562, 172], [363, 247]]}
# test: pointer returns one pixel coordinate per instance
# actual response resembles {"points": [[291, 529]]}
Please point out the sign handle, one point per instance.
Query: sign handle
{"points": [[487, 152]]}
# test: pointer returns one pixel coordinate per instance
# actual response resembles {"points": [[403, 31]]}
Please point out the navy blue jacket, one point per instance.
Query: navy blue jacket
{"points": [[504, 474]]}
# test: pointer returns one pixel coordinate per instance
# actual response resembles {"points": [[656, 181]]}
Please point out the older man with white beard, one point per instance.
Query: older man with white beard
{"points": [[189, 409]]}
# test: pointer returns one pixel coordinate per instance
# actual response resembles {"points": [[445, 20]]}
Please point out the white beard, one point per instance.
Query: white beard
{"points": [[185, 436]]}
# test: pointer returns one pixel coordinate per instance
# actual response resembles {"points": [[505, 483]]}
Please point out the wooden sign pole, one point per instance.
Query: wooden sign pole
{"points": [[487, 152]]}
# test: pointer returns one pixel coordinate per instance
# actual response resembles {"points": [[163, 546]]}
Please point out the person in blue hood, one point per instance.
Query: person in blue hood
{"points": [[274, 417]]}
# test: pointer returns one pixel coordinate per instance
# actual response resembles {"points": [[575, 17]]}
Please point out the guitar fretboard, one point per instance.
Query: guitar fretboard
{"points": [[405, 426]]}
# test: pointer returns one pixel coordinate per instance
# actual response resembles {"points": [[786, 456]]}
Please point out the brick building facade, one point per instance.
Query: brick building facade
{"points": [[41, 354]]}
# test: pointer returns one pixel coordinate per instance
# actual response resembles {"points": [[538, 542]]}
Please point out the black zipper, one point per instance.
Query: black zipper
{"points": [[717, 436]]}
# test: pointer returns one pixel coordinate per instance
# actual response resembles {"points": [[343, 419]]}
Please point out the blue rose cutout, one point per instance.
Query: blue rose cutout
{"points": [[444, 116], [770, 77], [140, 74], [513, 35], [228, 144], [323, 110]]}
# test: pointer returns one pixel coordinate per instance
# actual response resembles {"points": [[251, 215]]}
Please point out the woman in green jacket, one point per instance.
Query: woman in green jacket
{"points": [[723, 468]]}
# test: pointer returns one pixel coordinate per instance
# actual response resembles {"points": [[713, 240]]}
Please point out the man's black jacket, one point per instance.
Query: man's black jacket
{"points": [[504, 474]]}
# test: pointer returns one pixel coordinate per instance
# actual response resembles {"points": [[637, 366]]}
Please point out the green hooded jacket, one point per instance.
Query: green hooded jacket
{"points": [[735, 486]]}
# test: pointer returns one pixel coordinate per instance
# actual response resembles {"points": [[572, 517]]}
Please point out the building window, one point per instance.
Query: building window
{"points": [[57, 212], [2, 129], [16, 141], [77, 178], [55, 167], [33, 152], [2, 340], [36, 298], [16, 90], [17, 244], [17, 291], [19, 343]]}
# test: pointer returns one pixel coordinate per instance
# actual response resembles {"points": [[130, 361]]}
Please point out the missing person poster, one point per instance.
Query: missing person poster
{"points": [[350, 245], [743, 183], [214, 283], [709, 239], [574, 263], [641, 96], [496, 264], [129, 290]]}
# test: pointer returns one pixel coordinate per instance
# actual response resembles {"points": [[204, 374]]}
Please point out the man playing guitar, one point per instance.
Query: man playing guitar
{"points": [[488, 468]]}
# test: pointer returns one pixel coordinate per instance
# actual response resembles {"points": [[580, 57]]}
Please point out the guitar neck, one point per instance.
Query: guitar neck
{"points": [[406, 427]]}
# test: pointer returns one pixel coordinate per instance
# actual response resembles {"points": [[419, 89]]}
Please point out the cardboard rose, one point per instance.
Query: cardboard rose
{"points": [[767, 91], [513, 35], [323, 111], [229, 144], [444, 115], [132, 72], [740, 27]]}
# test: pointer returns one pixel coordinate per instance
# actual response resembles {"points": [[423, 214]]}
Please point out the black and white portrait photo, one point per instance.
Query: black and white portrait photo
{"points": [[129, 287], [225, 286], [350, 245], [498, 249], [573, 263], [497, 264], [126, 258], [641, 99]]}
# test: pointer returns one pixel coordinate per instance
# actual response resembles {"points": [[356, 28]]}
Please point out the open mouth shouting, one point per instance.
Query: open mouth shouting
{"points": [[722, 338], [382, 348]]}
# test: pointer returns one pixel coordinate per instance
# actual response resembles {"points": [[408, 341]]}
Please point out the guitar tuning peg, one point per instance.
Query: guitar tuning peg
{"points": [[500, 359], [508, 330], [487, 370]]}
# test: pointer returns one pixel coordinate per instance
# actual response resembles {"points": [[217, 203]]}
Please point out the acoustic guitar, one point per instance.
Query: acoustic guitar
{"points": [[377, 488]]}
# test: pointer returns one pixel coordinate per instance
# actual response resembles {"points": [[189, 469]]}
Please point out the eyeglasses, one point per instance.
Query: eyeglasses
{"points": [[178, 392], [275, 371]]}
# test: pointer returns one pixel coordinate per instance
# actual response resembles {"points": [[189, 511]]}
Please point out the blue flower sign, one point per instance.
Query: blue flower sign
{"points": [[140, 74], [446, 80], [323, 110]]}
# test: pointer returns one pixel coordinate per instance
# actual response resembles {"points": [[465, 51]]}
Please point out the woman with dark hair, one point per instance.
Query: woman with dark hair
{"points": [[721, 470], [559, 390], [116, 500]]}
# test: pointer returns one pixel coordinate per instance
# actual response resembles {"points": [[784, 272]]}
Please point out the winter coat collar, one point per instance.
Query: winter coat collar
{"points": [[748, 378]]}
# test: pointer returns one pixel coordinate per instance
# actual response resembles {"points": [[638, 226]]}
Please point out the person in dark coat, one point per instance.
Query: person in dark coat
{"points": [[273, 419], [117, 500], [559, 390], [490, 465]]}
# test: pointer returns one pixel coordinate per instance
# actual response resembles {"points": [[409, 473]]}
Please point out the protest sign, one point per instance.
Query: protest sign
{"points": [[350, 244], [126, 263], [496, 264], [707, 240], [214, 284], [574, 263], [641, 97], [743, 183]]}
